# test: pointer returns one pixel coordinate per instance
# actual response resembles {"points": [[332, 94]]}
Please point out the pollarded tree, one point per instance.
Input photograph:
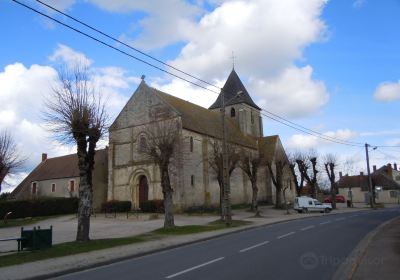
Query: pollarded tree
{"points": [[75, 114], [297, 175], [250, 163], [10, 160], [160, 148], [305, 162], [215, 161], [330, 162], [277, 167]]}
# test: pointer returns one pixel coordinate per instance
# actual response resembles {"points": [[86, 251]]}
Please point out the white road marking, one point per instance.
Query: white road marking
{"points": [[340, 219], [324, 223], [306, 228], [194, 267], [254, 246], [287, 234]]}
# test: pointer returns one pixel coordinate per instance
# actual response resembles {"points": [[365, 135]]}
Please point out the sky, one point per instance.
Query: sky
{"points": [[331, 66]]}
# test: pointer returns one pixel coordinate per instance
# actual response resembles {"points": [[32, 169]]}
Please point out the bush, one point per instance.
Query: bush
{"points": [[152, 206], [116, 206], [39, 207]]}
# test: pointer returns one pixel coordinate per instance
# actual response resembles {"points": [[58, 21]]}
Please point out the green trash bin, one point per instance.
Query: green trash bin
{"points": [[36, 238]]}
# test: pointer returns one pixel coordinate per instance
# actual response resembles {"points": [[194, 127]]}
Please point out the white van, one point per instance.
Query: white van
{"points": [[309, 204]]}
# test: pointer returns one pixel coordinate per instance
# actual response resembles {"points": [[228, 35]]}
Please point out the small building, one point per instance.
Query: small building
{"points": [[59, 177], [385, 181]]}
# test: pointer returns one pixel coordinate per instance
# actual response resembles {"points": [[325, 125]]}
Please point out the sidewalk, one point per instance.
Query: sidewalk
{"points": [[381, 259], [134, 226]]}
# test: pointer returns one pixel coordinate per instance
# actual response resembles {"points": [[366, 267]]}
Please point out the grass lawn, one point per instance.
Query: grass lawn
{"points": [[71, 248]]}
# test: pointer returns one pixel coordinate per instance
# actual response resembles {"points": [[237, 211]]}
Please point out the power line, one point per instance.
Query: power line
{"points": [[313, 131], [335, 140], [276, 117], [126, 45], [110, 46]]}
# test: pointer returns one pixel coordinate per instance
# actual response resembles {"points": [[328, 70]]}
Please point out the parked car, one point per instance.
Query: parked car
{"points": [[308, 204], [339, 199]]}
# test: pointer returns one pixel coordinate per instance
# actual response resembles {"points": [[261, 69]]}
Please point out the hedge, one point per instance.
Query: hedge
{"points": [[152, 206], [116, 206], [38, 207]]}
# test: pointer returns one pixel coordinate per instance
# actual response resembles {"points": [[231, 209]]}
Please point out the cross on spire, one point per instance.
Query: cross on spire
{"points": [[233, 60]]}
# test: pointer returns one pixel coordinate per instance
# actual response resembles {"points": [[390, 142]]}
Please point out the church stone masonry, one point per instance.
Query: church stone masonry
{"points": [[131, 176]]}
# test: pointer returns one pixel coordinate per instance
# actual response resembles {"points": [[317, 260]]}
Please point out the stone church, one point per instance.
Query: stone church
{"points": [[132, 176]]}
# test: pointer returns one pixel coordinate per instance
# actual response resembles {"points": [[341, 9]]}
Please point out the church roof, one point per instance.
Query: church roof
{"points": [[204, 121], [267, 146], [232, 86], [56, 168]]}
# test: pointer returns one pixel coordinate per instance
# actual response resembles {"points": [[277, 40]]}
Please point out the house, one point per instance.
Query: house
{"points": [[132, 176], [59, 177], [385, 180]]}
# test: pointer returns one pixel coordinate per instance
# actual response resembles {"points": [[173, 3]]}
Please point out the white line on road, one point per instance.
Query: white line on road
{"points": [[324, 223], [287, 234], [306, 228], [194, 267], [254, 246]]}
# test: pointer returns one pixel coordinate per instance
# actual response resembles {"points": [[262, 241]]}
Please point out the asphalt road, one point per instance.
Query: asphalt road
{"points": [[301, 249]]}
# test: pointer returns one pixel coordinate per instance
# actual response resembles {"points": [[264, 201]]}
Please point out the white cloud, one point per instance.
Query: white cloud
{"points": [[165, 22], [267, 36], [388, 91], [305, 141], [65, 55], [293, 93], [358, 3], [59, 4], [22, 93]]}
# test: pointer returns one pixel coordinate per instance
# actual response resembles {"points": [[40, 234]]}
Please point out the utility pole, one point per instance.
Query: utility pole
{"points": [[225, 176], [371, 191]]}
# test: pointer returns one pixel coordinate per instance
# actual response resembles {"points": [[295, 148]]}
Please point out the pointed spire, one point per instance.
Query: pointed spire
{"points": [[232, 86]]}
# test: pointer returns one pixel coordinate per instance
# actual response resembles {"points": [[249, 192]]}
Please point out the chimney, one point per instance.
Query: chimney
{"points": [[340, 174], [361, 173], [374, 167], [44, 157], [395, 166]]}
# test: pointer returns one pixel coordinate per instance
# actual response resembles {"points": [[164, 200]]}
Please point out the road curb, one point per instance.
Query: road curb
{"points": [[347, 269], [170, 247]]}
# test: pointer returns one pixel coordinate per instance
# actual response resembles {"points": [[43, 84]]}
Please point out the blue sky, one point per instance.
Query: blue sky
{"points": [[332, 66]]}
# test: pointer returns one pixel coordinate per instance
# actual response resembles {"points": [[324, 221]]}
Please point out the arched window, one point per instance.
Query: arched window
{"points": [[251, 117], [191, 144], [233, 113], [142, 144]]}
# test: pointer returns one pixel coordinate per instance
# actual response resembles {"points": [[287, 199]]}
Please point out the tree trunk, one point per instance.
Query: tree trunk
{"points": [[85, 193], [167, 193], [333, 195], [278, 199], [254, 200]]}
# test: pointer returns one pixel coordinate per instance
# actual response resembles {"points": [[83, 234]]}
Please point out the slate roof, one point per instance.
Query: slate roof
{"points": [[361, 181], [55, 168], [204, 121], [232, 86], [267, 146]]}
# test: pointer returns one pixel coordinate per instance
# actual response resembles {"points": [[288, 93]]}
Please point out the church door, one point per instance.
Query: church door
{"points": [[143, 189]]}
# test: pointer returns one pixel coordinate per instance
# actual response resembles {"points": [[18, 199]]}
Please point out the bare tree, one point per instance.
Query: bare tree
{"points": [[215, 161], [75, 114], [10, 160], [250, 163], [297, 175], [305, 162], [276, 168], [161, 147], [330, 162]]}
